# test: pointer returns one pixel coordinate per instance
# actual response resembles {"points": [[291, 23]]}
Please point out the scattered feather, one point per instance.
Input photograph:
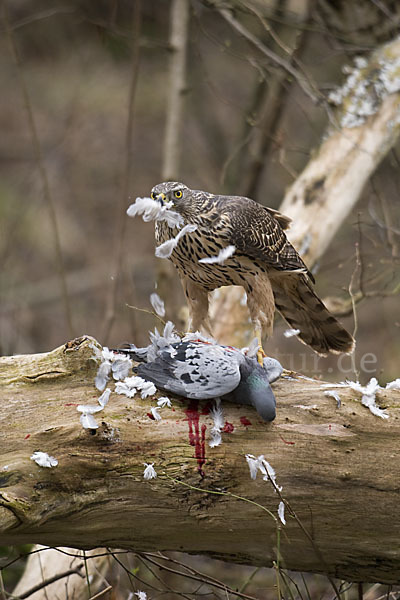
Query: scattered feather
{"points": [[124, 389], [335, 395], [222, 256], [281, 513], [262, 465], [155, 413], [102, 376], [97, 352], [44, 460], [152, 210], [157, 304], [130, 386], [393, 385], [368, 393], [104, 398], [217, 415], [252, 461], [141, 595], [163, 402], [89, 409], [159, 341], [88, 421], [107, 354], [121, 366], [306, 406], [165, 250], [147, 389], [215, 438], [149, 472], [291, 332], [198, 337]]}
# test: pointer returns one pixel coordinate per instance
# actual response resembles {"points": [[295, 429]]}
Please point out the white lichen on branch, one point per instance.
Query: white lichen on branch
{"points": [[367, 85]]}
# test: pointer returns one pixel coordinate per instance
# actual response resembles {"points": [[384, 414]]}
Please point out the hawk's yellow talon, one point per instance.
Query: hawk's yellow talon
{"points": [[260, 356]]}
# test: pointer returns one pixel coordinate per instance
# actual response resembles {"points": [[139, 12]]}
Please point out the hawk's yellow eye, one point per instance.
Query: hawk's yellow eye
{"points": [[178, 194], [153, 195]]}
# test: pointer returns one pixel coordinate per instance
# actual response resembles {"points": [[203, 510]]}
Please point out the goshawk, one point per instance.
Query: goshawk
{"points": [[260, 258]]}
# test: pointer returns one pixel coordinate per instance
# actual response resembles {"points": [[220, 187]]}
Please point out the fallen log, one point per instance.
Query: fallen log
{"points": [[338, 468]]}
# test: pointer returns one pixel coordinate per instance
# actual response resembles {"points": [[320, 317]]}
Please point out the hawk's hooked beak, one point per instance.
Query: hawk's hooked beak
{"points": [[161, 199]]}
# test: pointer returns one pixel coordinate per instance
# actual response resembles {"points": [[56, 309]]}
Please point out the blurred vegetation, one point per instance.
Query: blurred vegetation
{"points": [[76, 61]]}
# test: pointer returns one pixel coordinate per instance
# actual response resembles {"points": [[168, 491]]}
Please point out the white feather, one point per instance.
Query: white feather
{"points": [[165, 250], [222, 256]]}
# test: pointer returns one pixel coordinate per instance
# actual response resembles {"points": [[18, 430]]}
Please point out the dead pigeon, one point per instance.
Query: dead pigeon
{"points": [[202, 370]]}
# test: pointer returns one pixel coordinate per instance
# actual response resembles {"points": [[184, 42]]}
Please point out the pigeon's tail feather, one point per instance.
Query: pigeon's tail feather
{"points": [[303, 310], [138, 354]]}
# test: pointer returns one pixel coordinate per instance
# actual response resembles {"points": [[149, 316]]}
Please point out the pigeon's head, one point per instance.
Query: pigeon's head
{"points": [[254, 389]]}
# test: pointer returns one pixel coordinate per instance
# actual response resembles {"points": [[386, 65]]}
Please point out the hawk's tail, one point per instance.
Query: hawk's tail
{"points": [[302, 309]]}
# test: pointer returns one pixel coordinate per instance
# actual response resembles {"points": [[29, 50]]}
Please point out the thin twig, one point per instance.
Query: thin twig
{"points": [[353, 305], [144, 561], [2, 590], [274, 106], [204, 579], [42, 169], [50, 580], [132, 575], [307, 87], [249, 579], [43, 14], [42, 574], [86, 572], [100, 594], [305, 587], [287, 576], [121, 216], [308, 536], [72, 554]]}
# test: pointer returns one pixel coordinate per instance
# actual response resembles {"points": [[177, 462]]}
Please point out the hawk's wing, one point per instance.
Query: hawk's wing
{"points": [[257, 232], [194, 370]]}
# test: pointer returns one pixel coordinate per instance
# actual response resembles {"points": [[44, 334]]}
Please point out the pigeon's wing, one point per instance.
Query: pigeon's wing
{"points": [[194, 370], [273, 368]]}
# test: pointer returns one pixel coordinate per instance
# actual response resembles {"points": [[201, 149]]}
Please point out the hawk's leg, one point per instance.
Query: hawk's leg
{"points": [[261, 303], [197, 297], [260, 352]]}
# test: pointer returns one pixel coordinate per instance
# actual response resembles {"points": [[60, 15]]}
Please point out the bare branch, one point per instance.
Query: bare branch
{"points": [[76, 571], [304, 81]]}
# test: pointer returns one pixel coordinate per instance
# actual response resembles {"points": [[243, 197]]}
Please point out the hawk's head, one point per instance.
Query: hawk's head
{"points": [[171, 191]]}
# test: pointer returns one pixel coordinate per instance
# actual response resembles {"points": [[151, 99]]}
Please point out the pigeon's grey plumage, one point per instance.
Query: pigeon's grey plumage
{"points": [[202, 370]]}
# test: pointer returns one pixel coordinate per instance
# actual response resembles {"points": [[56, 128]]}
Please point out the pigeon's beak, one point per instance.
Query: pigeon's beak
{"points": [[161, 199]]}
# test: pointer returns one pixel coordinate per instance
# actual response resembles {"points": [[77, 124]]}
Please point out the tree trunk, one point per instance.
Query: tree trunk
{"points": [[339, 468]]}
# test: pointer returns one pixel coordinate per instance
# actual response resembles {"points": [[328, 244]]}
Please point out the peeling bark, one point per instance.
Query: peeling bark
{"points": [[339, 469]]}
